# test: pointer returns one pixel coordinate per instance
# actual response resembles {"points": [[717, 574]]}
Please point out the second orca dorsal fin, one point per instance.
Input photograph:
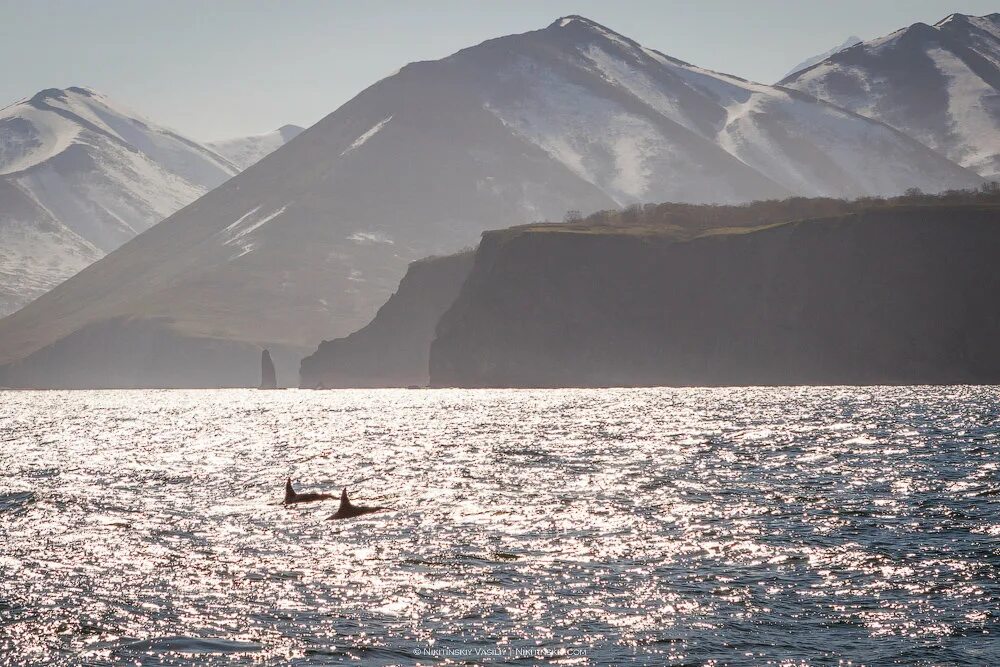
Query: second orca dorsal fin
{"points": [[345, 502]]}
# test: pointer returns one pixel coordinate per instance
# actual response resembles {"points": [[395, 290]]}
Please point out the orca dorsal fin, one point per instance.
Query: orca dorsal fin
{"points": [[345, 502], [289, 490]]}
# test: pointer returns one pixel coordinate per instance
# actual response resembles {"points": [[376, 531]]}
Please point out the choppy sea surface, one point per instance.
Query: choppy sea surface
{"points": [[653, 526]]}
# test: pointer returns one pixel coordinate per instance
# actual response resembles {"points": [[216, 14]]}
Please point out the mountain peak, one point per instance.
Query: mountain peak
{"points": [[48, 93], [83, 90], [923, 29], [564, 21], [577, 29], [577, 22], [62, 94], [956, 18], [950, 17]]}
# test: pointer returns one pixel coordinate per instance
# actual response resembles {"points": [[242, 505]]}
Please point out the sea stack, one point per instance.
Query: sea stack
{"points": [[267, 376]]}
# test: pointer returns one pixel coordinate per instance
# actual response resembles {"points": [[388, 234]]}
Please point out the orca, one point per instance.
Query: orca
{"points": [[349, 511], [292, 497]]}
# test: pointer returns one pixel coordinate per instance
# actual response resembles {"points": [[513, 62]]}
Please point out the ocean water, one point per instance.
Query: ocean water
{"points": [[817, 526]]}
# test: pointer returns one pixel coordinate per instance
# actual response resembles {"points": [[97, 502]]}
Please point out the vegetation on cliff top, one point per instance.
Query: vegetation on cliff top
{"points": [[686, 221]]}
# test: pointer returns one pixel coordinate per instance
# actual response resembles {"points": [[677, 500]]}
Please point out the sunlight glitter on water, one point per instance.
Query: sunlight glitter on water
{"points": [[744, 526]]}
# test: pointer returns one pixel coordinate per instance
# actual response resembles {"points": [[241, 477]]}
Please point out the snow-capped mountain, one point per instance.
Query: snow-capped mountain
{"points": [[682, 132], [809, 62], [940, 84], [79, 177], [245, 151], [308, 243]]}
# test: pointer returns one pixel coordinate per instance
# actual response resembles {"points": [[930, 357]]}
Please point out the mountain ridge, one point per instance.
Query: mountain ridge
{"points": [[308, 243], [939, 84]]}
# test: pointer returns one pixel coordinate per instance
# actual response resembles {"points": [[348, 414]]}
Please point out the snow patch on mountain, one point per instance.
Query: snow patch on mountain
{"points": [[36, 258], [365, 237], [617, 71], [238, 233], [357, 143], [29, 136], [589, 134], [36, 251], [239, 221], [239, 229], [975, 124], [112, 195]]}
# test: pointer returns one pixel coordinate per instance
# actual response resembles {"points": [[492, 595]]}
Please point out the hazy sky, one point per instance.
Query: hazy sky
{"points": [[221, 68]]}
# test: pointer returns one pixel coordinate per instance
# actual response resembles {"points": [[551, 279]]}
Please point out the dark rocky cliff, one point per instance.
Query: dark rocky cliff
{"points": [[898, 295], [392, 350]]}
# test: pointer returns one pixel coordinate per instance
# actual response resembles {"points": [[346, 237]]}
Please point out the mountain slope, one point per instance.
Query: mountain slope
{"points": [[245, 151], [71, 158], [940, 84], [36, 250], [809, 62], [310, 241]]}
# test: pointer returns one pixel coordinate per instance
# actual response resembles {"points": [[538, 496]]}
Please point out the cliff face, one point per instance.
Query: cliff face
{"points": [[392, 350], [901, 295]]}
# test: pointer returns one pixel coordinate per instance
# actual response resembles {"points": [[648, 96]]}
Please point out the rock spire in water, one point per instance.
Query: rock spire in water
{"points": [[267, 376]]}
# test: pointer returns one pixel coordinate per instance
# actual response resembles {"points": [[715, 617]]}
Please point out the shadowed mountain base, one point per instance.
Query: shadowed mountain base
{"points": [[139, 354]]}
